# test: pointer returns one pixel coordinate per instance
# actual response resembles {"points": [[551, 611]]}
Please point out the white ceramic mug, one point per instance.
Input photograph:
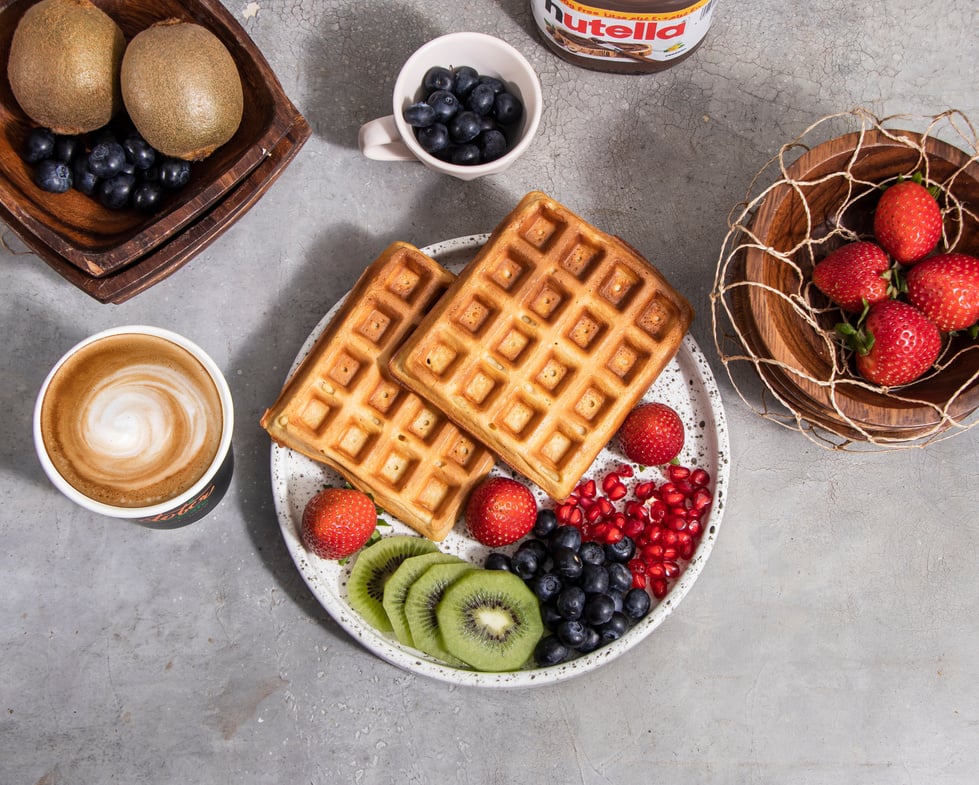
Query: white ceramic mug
{"points": [[390, 138], [136, 422]]}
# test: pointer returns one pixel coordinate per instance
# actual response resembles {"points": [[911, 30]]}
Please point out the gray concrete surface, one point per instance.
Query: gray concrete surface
{"points": [[832, 636]]}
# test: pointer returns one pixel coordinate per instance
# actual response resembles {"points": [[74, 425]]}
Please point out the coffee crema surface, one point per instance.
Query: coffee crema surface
{"points": [[132, 420]]}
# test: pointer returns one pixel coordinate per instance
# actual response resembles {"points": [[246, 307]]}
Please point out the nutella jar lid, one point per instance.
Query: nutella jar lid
{"points": [[626, 36]]}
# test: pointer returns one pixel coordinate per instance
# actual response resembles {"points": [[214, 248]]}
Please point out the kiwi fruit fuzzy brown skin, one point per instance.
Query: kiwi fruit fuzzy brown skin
{"points": [[182, 90], [63, 66]]}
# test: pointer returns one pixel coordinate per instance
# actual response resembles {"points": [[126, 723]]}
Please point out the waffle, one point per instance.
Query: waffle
{"points": [[342, 408], [545, 342]]}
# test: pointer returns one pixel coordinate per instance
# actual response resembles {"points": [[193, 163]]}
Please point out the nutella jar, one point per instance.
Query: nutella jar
{"points": [[623, 36]]}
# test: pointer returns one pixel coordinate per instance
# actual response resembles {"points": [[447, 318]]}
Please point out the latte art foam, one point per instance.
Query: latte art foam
{"points": [[132, 420]]}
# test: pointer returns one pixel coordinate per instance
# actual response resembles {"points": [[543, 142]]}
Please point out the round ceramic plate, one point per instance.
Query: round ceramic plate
{"points": [[686, 384]]}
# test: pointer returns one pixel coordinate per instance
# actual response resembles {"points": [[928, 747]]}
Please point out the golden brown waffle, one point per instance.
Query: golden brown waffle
{"points": [[342, 407], [545, 342]]}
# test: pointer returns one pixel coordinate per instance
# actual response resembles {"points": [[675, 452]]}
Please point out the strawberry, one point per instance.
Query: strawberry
{"points": [[895, 343], [908, 221], [854, 274], [338, 522], [652, 434], [946, 289], [500, 511]]}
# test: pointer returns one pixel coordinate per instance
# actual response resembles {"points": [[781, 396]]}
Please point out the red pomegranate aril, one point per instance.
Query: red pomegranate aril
{"points": [[702, 498], [674, 498], [686, 551], [637, 566], [677, 523], [700, 478], [587, 489], [633, 527], [638, 581], [657, 511], [652, 553], [624, 470], [605, 506], [613, 535], [670, 554], [669, 537], [593, 513], [617, 492], [609, 481], [677, 472], [659, 588], [670, 569], [576, 517], [655, 570], [644, 490]]}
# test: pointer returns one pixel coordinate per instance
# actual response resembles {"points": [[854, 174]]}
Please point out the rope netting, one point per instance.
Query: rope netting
{"points": [[814, 389]]}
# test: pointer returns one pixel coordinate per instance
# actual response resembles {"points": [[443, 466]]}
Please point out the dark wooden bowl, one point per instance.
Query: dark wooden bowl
{"points": [[75, 229], [838, 180]]}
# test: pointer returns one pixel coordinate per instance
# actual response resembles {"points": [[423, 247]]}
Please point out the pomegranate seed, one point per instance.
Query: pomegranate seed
{"points": [[655, 570], [599, 531], [652, 553], [644, 490], [674, 498], [669, 554], [637, 567], [653, 534], [624, 470], [702, 498], [618, 520], [686, 551], [586, 490], [633, 527], [670, 569], [676, 472], [699, 477], [657, 511], [638, 581], [609, 481], [576, 517], [669, 537], [605, 506], [684, 486], [695, 528], [613, 535], [617, 492], [593, 513], [659, 589]]}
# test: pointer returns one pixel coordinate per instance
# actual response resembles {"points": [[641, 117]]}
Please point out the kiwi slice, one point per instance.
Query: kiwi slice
{"points": [[490, 620], [420, 604], [374, 566], [396, 590]]}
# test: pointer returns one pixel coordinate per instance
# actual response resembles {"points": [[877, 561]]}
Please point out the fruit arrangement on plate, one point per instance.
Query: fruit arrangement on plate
{"points": [[475, 599]]}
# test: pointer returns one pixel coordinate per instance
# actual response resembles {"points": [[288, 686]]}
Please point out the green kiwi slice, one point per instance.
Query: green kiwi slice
{"points": [[490, 620], [374, 566], [420, 603], [396, 590]]}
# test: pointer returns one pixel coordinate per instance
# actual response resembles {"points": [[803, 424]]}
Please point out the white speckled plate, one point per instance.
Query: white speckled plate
{"points": [[686, 384]]}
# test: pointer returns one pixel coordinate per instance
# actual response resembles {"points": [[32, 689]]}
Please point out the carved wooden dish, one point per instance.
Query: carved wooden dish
{"points": [[838, 182], [81, 238]]}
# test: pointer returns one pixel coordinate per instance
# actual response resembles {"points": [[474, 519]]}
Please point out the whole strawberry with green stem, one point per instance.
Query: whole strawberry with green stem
{"points": [[652, 434], [946, 289], [908, 220], [855, 274], [894, 342], [337, 522]]}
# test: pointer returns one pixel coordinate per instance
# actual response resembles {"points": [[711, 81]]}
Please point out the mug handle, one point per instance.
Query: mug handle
{"points": [[379, 140]]}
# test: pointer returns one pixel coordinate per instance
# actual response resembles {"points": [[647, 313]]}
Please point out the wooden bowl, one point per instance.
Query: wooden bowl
{"points": [[72, 230], [827, 199]]}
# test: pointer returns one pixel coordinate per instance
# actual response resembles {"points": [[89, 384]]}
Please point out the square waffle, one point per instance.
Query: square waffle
{"points": [[341, 406], [545, 342]]}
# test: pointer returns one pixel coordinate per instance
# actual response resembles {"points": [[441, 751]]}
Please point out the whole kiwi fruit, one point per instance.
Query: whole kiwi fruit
{"points": [[182, 89], [63, 66]]}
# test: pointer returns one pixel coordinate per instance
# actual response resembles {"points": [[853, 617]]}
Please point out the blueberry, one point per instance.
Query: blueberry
{"points": [[38, 145], [571, 633], [174, 173], [570, 602], [115, 193], [620, 551], [567, 563], [433, 138], [547, 586], [466, 78], [419, 115], [53, 176], [83, 179], [636, 604], [524, 563], [591, 642], [498, 561], [106, 159], [619, 577], [464, 127], [445, 105], [438, 78], [539, 549], [481, 99], [619, 599], [464, 154], [492, 145], [599, 608], [507, 109], [594, 579], [592, 553], [550, 615], [545, 523], [139, 152], [614, 628], [493, 84], [566, 536], [550, 651], [147, 196], [488, 123], [65, 148]]}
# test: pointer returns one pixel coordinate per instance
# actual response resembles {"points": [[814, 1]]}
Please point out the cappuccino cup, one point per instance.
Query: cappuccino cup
{"points": [[136, 422]]}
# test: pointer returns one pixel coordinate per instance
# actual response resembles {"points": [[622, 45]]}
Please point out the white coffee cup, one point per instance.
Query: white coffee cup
{"points": [[390, 138], [136, 422]]}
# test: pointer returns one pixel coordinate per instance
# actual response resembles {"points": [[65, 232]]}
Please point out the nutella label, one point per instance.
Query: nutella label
{"points": [[603, 35]]}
